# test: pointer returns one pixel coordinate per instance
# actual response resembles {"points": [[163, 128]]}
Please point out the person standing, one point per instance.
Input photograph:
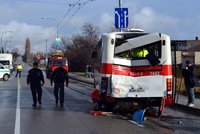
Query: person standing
{"points": [[90, 71], [86, 71], [35, 79], [188, 73], [59, 77], [19, 70]]}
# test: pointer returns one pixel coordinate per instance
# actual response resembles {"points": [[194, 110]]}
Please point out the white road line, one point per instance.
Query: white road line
{"points": [[17, 118]]}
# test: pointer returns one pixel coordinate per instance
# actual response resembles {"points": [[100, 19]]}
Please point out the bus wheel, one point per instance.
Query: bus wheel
{"points": [[6, 77]]}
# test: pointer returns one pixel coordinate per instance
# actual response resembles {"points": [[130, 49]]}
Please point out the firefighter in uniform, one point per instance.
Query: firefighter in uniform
{"points": [[135, 53], [140, 52], [35, 79], [59, 77]]}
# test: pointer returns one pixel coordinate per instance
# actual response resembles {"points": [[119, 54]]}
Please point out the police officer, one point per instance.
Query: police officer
{"points": [[59, 77], [35, 79]]}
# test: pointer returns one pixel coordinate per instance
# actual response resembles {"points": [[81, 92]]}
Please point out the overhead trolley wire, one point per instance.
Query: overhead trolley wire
{"points": [[71, 6], [80, 5], [42, 1]]}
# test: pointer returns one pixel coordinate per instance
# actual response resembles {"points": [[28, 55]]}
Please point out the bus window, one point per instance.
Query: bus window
{"points": [[142, 52]]}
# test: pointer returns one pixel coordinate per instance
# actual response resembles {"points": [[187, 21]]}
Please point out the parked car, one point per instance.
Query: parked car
{"points": [[4, 73]]}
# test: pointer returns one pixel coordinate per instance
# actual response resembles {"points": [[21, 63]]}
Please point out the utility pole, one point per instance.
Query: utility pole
{"points": [[1, 46], [120, 3], [46, 48]]}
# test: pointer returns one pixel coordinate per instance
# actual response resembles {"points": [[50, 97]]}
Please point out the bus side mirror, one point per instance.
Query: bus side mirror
{"points": [[94, 54]]}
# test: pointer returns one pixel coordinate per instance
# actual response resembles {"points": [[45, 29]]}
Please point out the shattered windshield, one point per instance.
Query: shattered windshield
{"points": [[139, 52]]}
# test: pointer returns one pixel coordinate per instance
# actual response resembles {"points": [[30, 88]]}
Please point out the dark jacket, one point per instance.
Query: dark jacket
{"points": [[60, 75], [35, 76], [189, 76]]}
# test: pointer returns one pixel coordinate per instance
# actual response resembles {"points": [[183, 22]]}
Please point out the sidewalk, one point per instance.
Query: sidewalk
{"points": [[180, 101]]}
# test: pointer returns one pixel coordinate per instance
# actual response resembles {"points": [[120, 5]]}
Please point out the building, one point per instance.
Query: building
{"points": [[186, 50]]}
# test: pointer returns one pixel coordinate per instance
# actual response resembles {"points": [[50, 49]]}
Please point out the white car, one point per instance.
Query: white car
{"points": [[4, 73]]}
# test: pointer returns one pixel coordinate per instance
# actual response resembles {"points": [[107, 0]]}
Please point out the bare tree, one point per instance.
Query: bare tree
{"points": [[79, 47]]}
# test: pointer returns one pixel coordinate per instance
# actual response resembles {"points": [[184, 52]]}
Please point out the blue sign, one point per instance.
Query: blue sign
{"points": [[121, 17], [58, 42]]}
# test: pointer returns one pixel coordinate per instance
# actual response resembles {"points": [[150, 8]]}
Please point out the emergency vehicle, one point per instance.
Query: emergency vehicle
{"points": [[4, 72], [7, 60], [121, 77], [54, 61]]}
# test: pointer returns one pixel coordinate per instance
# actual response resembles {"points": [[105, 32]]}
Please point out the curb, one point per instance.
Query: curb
{"points": [[184, 108], [79, 78]]}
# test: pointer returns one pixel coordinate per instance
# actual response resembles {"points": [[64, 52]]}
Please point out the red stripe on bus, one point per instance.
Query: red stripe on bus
{"points": [[164, 70], [106, 68]]}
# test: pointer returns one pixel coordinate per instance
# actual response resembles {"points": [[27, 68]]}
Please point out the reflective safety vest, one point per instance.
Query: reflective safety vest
{"points": [[140, 53], [19, 67], [135, 53]]}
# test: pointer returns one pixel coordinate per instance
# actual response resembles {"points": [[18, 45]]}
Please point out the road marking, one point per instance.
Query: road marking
{"points": [[17, 117]]}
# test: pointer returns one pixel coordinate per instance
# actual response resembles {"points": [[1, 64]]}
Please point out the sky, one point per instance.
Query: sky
{"points": [[21, 19]]}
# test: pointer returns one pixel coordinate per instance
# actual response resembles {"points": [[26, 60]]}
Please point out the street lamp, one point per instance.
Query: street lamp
{"points": [[4, 32], [46, 18], [120, 3], [46, 55], [6, 44], [6, 40]]}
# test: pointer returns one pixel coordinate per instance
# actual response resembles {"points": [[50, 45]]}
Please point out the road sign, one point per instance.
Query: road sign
{"points": [[121, 17], [58, 42]]}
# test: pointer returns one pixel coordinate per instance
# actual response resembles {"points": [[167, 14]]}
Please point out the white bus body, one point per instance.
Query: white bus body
{"points": [[119, 77]]}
